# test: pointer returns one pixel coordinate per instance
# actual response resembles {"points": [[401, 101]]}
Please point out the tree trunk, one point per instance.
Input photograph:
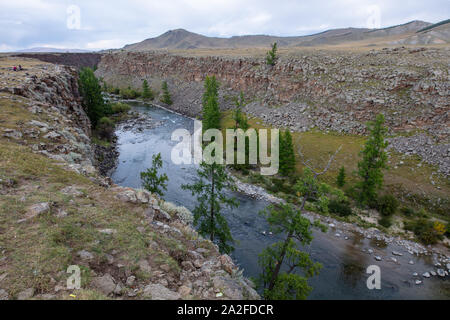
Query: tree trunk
{"points": [[212, 206]]}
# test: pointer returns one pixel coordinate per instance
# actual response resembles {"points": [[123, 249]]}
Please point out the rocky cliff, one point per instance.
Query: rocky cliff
{"points": [[325, 89], [328, 90], [57, 211]]}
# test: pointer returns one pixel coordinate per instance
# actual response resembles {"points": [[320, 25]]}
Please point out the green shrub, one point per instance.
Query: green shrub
{"points": [[120, 107], [407, 211], [387, 205], [281, 185], [341, 208], [385, 221], [129, 93], [425, 230], [340, 180], [105, 128]]}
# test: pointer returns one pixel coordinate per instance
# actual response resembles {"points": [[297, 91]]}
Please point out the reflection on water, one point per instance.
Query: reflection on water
{"points": [[344, 263]]}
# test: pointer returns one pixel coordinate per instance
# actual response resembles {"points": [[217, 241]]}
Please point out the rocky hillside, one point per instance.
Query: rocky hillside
{"points": [[183, 39], [57, 211], [438, 33]]}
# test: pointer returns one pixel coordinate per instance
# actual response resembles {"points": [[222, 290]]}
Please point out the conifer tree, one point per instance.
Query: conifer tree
{"points": [[147, 92], [340, 180], [153, 182], [286, 154], [373, 161], [166, 98], [210, 111], [271, 56]]}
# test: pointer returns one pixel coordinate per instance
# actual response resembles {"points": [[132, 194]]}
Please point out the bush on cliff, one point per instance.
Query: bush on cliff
{"points": [[105, 129], [91, 91]]}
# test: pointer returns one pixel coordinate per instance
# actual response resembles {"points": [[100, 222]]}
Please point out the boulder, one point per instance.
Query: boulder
{"points": [[36, 210], [227, 263], [4, 295], [160, 292], [105, 284]]}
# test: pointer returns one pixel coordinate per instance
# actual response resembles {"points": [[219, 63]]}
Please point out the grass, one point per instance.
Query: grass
{"points": [[409, 181]]}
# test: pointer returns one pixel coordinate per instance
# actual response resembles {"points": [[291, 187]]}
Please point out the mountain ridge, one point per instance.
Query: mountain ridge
{"points": [[181, 39]]}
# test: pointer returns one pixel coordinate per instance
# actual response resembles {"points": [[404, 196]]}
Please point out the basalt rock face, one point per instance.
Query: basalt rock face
{"points": [[56, 86], [77, 60], [329, 90]]}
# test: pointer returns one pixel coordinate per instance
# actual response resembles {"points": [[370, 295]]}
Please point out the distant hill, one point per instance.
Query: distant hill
{"points": [[52, 50], [183, 39], [438, 33]]}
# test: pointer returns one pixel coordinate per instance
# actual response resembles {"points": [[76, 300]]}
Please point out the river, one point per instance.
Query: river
{"points": [[343, 275]]}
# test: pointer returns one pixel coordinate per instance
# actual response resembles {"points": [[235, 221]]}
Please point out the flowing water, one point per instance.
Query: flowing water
{"points": [[343, 275]]}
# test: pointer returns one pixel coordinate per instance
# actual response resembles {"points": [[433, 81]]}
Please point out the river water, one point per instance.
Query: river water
{"points": [[343, 275]]}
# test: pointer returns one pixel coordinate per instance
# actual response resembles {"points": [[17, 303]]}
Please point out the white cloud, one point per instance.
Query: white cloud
{"points": [[113, 23]]}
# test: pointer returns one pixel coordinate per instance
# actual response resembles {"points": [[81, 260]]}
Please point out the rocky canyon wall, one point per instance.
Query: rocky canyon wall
{"points": [[329, 90]]}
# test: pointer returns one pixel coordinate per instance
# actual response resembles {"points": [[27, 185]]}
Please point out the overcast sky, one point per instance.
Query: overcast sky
{"points": [[89, 24]]}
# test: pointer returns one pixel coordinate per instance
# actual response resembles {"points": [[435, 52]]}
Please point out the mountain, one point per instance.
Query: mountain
{"points": [[183, 39], [438, 33], [53, 50]]}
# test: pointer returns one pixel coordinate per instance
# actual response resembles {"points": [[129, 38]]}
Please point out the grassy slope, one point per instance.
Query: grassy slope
{"points": [[408, 181], [36, 253]]}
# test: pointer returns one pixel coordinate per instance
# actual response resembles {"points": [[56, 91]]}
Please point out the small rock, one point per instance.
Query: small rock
{"points": [[85, 255], [130, 281], [411, 262], [227, 263], [108, 231], [184, 291], [396, 253], [144, 266], [165, 267], [25, 294], [441, 272], [378, 258], [418, 282], [426, 275], [118, 289], [37, 209], [433, 273]]}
